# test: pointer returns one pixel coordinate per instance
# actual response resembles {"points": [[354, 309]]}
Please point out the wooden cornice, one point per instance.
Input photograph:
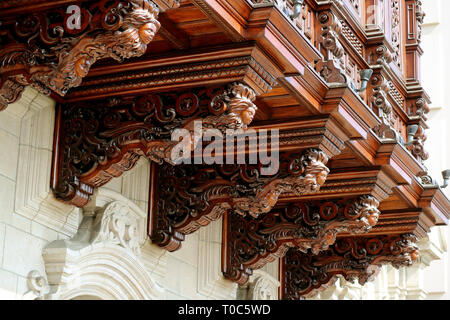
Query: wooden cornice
{"points": [[355, 258], [351, 182], [245, 63]]}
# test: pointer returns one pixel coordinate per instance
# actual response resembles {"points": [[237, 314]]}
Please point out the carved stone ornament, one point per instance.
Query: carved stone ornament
{"points": [[354, 258], [50, 51], [192, 196], [97, 144], [251, 243]]}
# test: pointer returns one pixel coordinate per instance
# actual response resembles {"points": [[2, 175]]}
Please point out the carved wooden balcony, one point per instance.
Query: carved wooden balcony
{"points": [[351, 147]]}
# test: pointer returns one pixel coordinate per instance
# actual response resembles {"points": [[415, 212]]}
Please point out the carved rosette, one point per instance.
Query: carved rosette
{"points": [[192, 196], [303, 275], [97, 144], [251, 243], [46, 52]]}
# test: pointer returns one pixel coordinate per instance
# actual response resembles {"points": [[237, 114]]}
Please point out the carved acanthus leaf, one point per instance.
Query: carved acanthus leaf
{"points": [[116, 225]]}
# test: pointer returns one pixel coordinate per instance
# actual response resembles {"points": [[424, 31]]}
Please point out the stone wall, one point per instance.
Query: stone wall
{"points": [[48, 250]]}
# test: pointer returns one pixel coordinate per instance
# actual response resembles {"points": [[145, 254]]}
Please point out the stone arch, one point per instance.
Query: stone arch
{"points": [[105, 271], [103, 259]]}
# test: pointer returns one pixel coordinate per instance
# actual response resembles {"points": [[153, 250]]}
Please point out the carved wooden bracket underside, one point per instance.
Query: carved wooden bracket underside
{"points": [[47, 50], [249, 244], [302, 274], [98, 140], [191, 196]]}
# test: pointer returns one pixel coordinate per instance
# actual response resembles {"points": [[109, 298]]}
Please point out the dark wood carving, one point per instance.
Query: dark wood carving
{"points": [[354, 258], [192, 196], [98, 143], [249, 244], [50, 51]]}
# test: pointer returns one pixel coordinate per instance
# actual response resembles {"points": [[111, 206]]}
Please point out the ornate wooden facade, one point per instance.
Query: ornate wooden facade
{"points": [[338, 79]]}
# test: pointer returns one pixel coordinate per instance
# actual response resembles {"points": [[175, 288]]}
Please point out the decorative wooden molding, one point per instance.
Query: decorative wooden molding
{"points": [[242, 62], [354, 258], [191, 196], [49, 51], [95, 144], [249, 243]]}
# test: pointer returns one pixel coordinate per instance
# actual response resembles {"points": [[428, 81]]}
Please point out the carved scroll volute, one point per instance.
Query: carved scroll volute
{"points": [[331, 68], [330, 32], [308, 174], [98, 144], [60, 61], [191, 196], [304, 275], [248, 243], [139, 26], [233, 108]]}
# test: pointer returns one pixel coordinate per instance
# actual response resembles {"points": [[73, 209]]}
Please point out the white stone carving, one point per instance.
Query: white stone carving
{"points": [[102, 260], [210, 280]]}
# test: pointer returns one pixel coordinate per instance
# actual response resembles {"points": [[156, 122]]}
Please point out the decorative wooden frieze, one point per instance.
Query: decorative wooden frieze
{"points": [[192, 196], [95, 144], [53, 50], [354, 258], [176, 75], [249, 243]]}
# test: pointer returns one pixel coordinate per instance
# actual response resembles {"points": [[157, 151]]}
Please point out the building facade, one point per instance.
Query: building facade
{"points": [[94, 204]]}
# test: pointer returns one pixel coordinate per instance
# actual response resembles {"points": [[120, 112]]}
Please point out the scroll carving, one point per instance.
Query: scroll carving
{"points": [[379, 98], [251, 243], [192, 196], [330, 69], [354, 258], [44, 51], [97, 144]]}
